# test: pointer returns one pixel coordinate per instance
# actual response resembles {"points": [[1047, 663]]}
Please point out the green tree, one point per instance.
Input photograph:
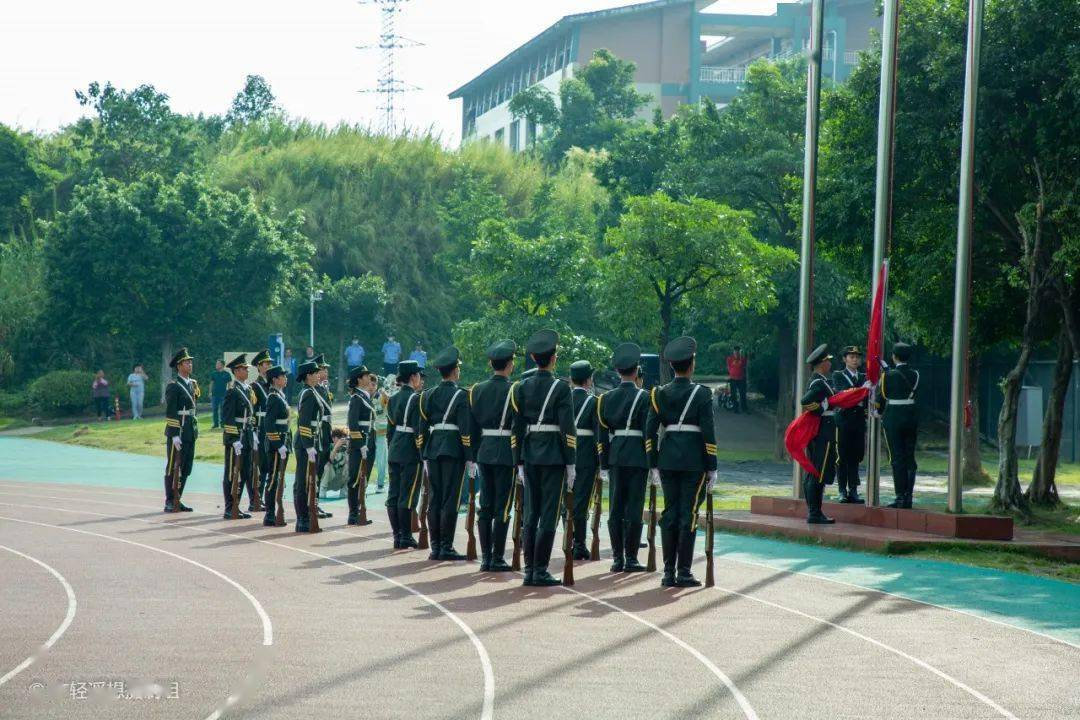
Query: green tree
{"points": [[254, 102], [351, 306], [22, 177], [535, 104]]}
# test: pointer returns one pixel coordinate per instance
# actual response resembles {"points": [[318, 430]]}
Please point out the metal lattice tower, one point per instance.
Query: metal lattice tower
{"points": [[389, 86]]}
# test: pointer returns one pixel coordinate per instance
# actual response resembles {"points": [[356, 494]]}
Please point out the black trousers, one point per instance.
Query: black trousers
{"points": [[851, 448], [626, 501], [496, 502], [684, 491], [275, 473], [544, 486], [185, 457], [900, 438], [584, 489], [406, 482], [243, 462], [822, 453], [263, 463], [738, 392], [447, 476], [359, 471], [300, 492]]}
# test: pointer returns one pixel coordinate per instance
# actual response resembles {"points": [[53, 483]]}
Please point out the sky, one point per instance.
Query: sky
{"points": [[199, 51]]}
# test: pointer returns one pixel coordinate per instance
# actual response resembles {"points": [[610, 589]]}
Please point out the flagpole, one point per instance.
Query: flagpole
{"points": [[806, 256], [964, 231], [882, 212]]}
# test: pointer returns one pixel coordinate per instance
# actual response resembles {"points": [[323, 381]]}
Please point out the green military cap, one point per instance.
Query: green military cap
{"points": [[238, 362], [263, 356], [407, 368], [358, 372], [821, 352], [902, 351], [447, 358], [180, 356], [627, 356], [502, 350], [306, 369], [274, 372], [680, 349], [528, 373], [852, 350], [542, 342], [581, 370]]}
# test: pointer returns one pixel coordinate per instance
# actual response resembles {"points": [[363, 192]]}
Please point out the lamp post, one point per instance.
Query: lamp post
{"points": [[314, 297]]}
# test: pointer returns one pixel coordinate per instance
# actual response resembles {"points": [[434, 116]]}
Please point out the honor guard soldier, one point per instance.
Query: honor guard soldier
{"points": [[546, 444], [588, 450], [444, 426], [306, 444], [822, 449], [403, 455], [326, 402], [490, 425], [276, 433], [624, 449], [261, 457], [361, 422], [850, 428], [684, 463], [181, 429], [238, 421], [900, 420]]}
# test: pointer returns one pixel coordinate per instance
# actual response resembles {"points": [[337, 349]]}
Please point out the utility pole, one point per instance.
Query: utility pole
{"points": [[389, 86], [314, 297]]}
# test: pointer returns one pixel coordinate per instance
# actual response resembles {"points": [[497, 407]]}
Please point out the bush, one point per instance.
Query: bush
{"points": [[12, 403], [61, 392]]}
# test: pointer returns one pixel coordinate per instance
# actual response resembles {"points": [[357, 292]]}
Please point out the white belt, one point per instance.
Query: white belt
{"points": [[242, 419], [282, 422], [405, 429], [908, 401], [185, 412], [828, 413], [495, 432], [542, 427], [260, 414], [316, 424], [628, 433], [445, 426], [682, 427], [584, 432]]}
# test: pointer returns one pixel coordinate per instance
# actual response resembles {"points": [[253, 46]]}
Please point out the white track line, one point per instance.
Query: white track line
{"points": [[72, 605], [267, 626], [487, 709]]}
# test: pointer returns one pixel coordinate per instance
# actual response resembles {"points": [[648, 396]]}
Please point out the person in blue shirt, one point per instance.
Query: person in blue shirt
{"points": [[419, 356], [391, 355], [354, 354], [219, 386]]}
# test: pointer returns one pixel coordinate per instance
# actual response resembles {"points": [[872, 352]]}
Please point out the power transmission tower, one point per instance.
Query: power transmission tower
{"points": [[389, 86]]}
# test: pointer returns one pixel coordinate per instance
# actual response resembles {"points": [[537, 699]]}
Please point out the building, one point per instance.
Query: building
{"points": [[683, 52]]}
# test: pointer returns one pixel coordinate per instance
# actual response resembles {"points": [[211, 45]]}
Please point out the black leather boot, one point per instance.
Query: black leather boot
{"points": [[483, 529], [405, 528], [633, 544], [528, 539], [814, 492], [434, 536], [685, 559], [615, 532], [498, 547], [392, 513], [541, 557], [669, 545]]}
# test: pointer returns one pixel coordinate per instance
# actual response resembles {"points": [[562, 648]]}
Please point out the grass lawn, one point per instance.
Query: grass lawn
{"points": [[143, 437]]}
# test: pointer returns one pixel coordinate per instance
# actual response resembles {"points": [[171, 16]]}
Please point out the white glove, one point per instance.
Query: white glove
{"points": [[571, 475], [868, 385], [654, 477], [521, 474], [283, 452], [176, 442], [605, 476], [712, 480], [470, 469], [825, 404], [312, 455], [363, 452], [238, 447]]}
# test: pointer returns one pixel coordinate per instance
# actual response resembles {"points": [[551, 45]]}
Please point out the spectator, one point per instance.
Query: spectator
{"points": [[335, 473], [137, 383], [309, 354], [354, 354], [289, 363], [736, 368], [101, 395], [419, 356], [219, 385], [391, 355]]}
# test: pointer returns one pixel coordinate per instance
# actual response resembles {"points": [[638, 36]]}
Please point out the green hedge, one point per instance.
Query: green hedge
{"points": [[61, 392], [12, 403]]}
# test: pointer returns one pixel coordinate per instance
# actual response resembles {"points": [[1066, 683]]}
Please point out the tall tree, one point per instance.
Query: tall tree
{"points": [[22, 177], [254, 102]]}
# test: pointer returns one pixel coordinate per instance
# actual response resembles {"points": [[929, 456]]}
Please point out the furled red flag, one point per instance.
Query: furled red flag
{"points": [[803, 428], [874, 339]]}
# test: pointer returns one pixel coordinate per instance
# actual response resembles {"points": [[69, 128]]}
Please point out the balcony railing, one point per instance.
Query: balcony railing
{"points": [[851, 57], [713, 74]]}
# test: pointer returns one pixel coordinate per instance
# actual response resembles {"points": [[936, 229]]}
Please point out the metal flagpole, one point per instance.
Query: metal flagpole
{"points": [[962, 294], [806, 257], [882, 211]]}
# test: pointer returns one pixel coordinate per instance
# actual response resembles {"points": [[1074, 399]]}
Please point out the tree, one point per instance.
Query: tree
{"points": [[352, 306], [22, 299], [535, 104], [21, 177], [254, 102]]}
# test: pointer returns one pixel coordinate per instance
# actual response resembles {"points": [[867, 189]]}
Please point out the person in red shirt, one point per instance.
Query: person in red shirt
{"points": [[736, 367]]}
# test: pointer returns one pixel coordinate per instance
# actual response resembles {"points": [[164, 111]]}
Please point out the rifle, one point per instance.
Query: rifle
{"points": [[518, 502], [234, 482], [363, 491], [650, 565], [256, 475], [176, 484], [311, 480], [598, 507], [470, 522], [568, 541], [709, 579], [279, 492], [422, 524]]}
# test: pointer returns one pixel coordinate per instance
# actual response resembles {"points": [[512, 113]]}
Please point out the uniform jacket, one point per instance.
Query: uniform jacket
{"points": [[684, 411], [180, 398], [403, 439], [545, 434], [308, 419], [621, 413], [588, 431], [238, 414], [818, 390], [261, 388], [491, 422], [844, 380], [444, 422], [899, 383], [361, 422], [276, 422], [325, 406]]}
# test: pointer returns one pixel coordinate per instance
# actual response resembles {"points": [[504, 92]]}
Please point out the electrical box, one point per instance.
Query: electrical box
{"points": [[1029, 416]]}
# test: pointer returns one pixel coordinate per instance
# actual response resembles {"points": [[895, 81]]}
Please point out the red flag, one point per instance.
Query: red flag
{"points": [[874, 339], [803, 428]]}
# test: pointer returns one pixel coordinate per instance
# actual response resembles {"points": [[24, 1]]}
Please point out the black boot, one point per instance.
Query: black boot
{"points": [[483, 529], [498, 547], [615, 532], [541, 557], [581, 552], [814, 492], [528, 540], [685, 559], [633, 544], [447, 526], [449, 553], [392, 513], [669, 545], [434, 536], [899, 489], [405, 528]]}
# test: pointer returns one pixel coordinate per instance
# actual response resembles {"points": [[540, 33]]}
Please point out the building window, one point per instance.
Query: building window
{"points": [[530, 133], [515, 135], [499, 136]]}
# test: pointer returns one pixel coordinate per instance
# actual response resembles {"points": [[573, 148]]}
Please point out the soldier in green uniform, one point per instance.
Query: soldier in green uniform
{"points": [[588, 450], [361, 422], [261, 388], [545, 444], [181, 427], [684, 462], [404, 446], [444, 426], [624, 459], [326, 401], [493, 442], [900, 420], [276, 438], [822, 449], [306, 443], [237, 420], [850, 428]]}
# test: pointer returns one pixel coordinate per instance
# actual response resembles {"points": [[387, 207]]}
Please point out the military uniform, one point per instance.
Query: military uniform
{"points": [[546, 443], [306, 442], [444, 426], [850, 433], [624, 450], [685, 456], [900, 420], [238, 423], [404, 444], [261, 457], [361, 423], [588, 452], [326, 443], [181, 430], [275, 425], [822, 449], [493, 449]]}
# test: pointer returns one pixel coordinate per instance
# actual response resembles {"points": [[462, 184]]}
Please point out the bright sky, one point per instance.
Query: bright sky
{"points": [[199, 51]]}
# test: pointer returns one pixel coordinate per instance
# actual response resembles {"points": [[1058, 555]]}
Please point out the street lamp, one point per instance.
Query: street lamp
{"points": [[316, 296]]}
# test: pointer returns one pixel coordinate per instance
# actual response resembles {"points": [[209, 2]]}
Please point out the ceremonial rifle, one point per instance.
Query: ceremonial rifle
{"points": [[598, 507], [422, 523], [176, 485], [568, 541], [709, 579], [362, 481], [518, 502], [311, 480], [234, 482], [470, 522], [279, 491], [650, 565], [256, 473]]}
